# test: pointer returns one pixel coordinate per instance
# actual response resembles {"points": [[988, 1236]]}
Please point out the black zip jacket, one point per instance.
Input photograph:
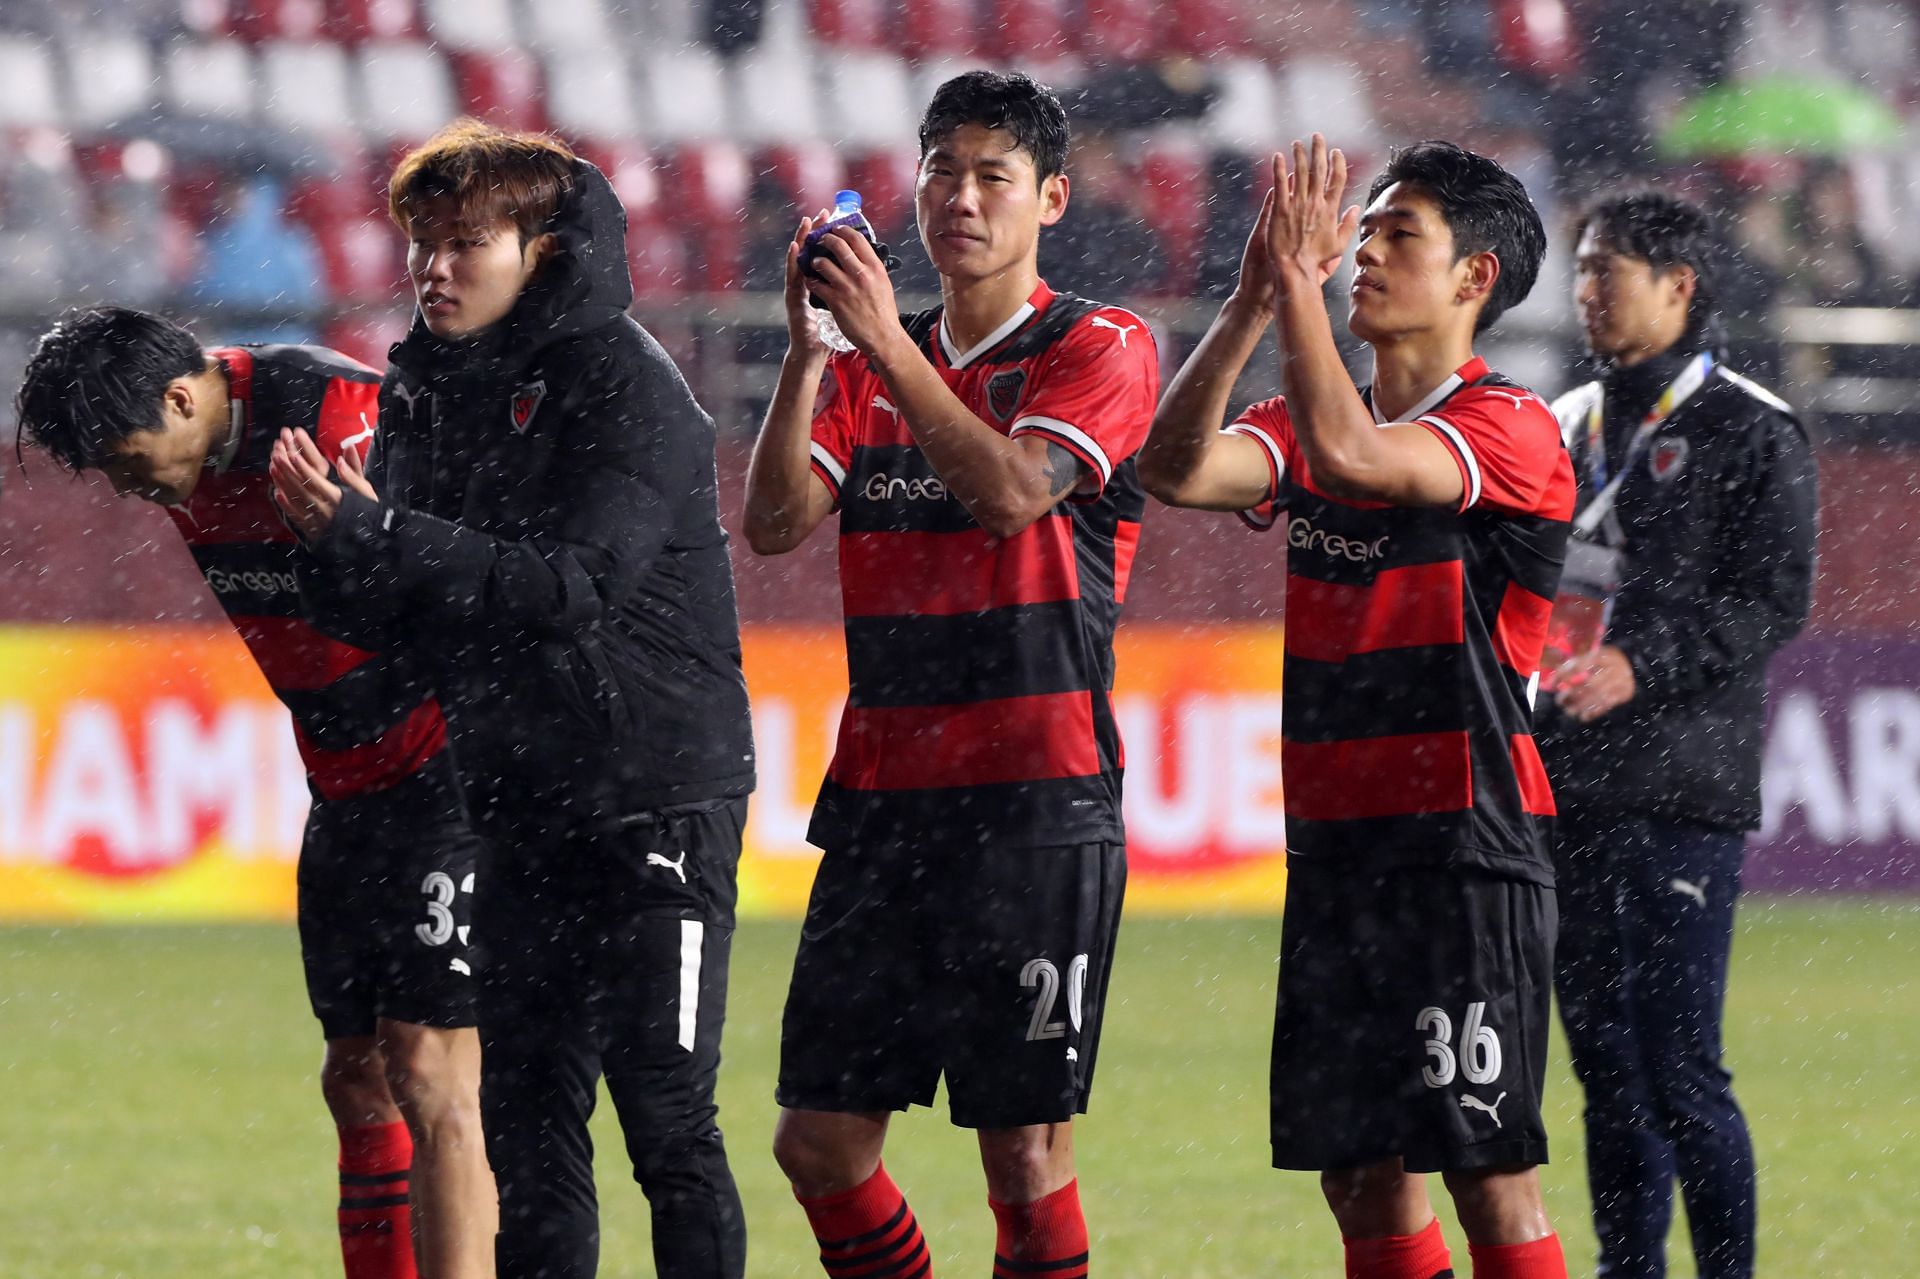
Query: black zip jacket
{"points": [[1719, 513], [548, 538]]}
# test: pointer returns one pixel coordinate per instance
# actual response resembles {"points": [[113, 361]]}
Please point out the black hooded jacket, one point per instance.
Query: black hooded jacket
{"points": [[1719, 513], [548, 538]]}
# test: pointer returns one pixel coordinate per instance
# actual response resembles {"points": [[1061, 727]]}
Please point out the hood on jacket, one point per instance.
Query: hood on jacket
{"points": [[583, 285]]}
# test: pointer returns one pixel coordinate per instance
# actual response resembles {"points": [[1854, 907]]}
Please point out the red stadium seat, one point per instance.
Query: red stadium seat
{"points": [[659, 258], [357, 21], [809, 172], [1173, 194], [849, 24], [503, 88], [1207, 28], [362, 260], [1029, 30], [259, 20], [1122, 30], [932, 29], [884, 178], [706, 197]]}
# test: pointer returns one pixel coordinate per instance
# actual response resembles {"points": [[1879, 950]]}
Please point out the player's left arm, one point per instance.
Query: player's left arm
{"points": [[1005, 483], [1347, 453]]}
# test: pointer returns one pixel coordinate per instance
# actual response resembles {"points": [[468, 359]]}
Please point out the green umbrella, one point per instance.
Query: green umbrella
{"points": [[1778, 114]]}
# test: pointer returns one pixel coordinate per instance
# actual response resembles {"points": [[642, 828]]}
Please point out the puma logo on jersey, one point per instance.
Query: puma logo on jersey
{"points": [[1519, 400], [679, 868], [366, 434], [460, 966], [880, 402], [1102, 322], [1493, 1109], [1697, 891], [401, 391]]}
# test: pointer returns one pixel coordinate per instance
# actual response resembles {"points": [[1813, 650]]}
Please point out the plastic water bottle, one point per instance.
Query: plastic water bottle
{"points": [[846, 212]]}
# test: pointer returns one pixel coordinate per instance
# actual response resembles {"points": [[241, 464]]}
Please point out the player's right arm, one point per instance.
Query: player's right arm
{"points": [[1187, 460], [786, 500]]}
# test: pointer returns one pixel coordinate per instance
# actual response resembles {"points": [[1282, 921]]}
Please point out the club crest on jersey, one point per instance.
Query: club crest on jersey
{"points": [[524, 404], [1668, 458], [1003, 392]]}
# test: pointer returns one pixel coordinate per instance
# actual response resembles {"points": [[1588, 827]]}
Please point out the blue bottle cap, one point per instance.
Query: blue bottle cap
{"points": [[843, 198]]}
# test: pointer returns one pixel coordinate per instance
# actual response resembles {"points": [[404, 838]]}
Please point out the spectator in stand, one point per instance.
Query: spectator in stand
{"points": [[1106, 249], [1836, 265], [258, 260]]}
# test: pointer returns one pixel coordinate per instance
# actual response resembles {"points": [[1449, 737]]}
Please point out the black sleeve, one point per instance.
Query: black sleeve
{"points": [[348, 587], [1757, 594], [627, 446]]}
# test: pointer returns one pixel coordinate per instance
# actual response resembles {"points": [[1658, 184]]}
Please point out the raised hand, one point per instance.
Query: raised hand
{"points": [[1307, 234], [802, 336], [1255, 286]]}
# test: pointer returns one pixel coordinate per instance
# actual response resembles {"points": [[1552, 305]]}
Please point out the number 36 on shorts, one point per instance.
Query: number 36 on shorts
{"points": [[1475, 1056]]}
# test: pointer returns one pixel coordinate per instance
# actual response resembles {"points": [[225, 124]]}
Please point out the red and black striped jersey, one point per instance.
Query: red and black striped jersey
{"points": [[1413, 639], [363, 721], [980, 669]]}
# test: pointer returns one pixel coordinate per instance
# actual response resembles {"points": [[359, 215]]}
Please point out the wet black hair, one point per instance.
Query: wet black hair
{"points": [[1022, 106], [97, 377], [1664, 231], [1485, 208]]}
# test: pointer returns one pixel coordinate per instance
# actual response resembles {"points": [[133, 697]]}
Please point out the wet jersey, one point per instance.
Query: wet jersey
{"points": [[1413, 640], [363, 721], [980, 669]]}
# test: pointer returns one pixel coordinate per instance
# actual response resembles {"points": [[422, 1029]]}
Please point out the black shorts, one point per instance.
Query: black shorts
{"points": [[1412, 1019], [386, 891], [987, 965]]}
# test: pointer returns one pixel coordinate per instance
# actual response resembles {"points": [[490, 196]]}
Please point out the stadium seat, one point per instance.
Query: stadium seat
{"points": [[28, 96], [307, 86], [1332, 94], [1173, 191], [683, 96], [706, 195], [258, 21], [1029, 31], [868, 99], [1245, 115], [502, 87], [406, 91], [590, 94], [577, 25], [884, 177], [472, 24], [1122, 30], [108, 78], [363, 260], [209, 77], [632, 169], [659, 258], [849, 24], [358, 21], [773, 97], [935, 29], [1207, 28], [808, 172]]}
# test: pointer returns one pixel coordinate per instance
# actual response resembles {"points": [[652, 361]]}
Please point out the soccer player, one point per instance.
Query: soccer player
{"points": [[541, 525], [386, 865], [1425, 520], [1698, 488], [963, 918]]}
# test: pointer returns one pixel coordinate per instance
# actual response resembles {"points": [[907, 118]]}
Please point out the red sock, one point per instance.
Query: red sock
{"points": [[376, 1228], [1421, 1256], [1540, 1259], [1046, 1239], [869, 1230]]}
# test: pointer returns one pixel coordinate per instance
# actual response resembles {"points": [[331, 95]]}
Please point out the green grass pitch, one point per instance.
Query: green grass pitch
{"points": [[158, 1116]]}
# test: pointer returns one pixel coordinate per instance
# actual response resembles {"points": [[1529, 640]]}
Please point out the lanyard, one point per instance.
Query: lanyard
{"points": [[1690, 380]]}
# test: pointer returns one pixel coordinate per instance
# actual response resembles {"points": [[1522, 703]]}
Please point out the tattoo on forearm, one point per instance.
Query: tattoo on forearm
{"points": [[1063, 470]]}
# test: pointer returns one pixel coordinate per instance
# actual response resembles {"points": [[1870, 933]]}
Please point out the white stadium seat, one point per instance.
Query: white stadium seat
{"points": [[1246, 115], [1331, 93], [472, 24], [108, 77], [209, 77], [406, 92], [683, 96], [773, 96], [868, 99], [307, 86], [27, 84], [576, 25], [590, 94]]}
